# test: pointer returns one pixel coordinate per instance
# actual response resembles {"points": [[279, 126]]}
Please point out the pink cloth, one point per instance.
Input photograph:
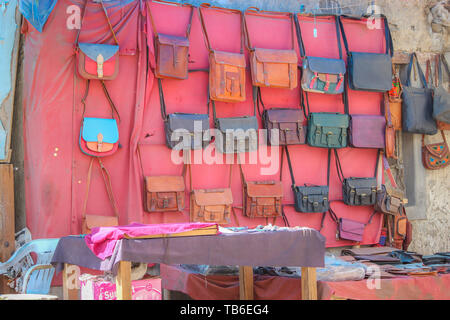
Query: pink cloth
{"points": [[102, 240]]}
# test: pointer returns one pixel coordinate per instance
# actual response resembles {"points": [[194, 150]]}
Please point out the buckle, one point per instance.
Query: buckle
{"points": [[99, 142], [100, 61]]}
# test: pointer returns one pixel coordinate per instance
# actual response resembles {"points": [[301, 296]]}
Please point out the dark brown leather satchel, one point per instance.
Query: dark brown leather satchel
{"points": [[226, 69], [91, 221], [270, 67], [171, 52], [163, 193], [435, 155], [261, 199], [210, 205], [389, 199]]}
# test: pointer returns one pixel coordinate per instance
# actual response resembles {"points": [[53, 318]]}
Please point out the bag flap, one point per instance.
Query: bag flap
{"points": [[351, 226], [244, 123], [438, 150], [92, 127], [310, 191], [173, 40], [276, 56], [92, 50], [213, 197], [267, 189], [392, 192], [285, 115], [329, 119], [186, 121], [368, 123], [366, 183], [165, 183], [93, 221], [326, 65], [371, 71], [229, 58]]}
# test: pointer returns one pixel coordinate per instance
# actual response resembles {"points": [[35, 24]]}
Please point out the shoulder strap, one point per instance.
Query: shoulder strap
{"points": [[421, 75], [338, 166], [106, 180], [107, 19], [188, 28], [108, 97], [440, 59], [225, 10]]}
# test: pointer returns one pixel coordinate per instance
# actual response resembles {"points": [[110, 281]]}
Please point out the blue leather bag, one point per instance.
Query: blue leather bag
{"points": [[370, 71]]}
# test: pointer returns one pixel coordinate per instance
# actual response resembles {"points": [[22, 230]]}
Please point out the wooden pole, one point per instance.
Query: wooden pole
{"points": [[309, 283], [123, 281], [246, 282]]}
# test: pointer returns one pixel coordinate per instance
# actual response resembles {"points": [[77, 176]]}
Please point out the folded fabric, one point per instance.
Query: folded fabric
{"points": [[367, 251], [102, 240], [406, 257], [378, 259]]}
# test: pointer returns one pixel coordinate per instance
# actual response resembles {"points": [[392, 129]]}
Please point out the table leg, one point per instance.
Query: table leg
{"points": [[71, 282], [309, 283], [246, 282], [123, 281]]}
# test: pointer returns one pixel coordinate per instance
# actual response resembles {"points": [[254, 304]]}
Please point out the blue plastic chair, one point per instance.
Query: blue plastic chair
{"points": [[36, 276]]}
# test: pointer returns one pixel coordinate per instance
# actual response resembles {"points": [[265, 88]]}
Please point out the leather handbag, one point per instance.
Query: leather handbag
{"points": [[321, 75], [284, 126], [261, 199], [326, 129], [417, 108], [357, 191], [99, 137], [236, 134], [390, 199], [171, 52], [90, 221], [210, 205], [270, 67], [97, 60], [435, 155], [441, 97], [390, 133], [369, 71], [367, 131], [226, 69], [184, 130], [310, 198], [399, 230], [163, 193], [348, 229], [394, 102]]}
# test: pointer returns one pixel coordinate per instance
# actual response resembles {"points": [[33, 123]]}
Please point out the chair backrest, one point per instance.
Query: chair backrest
{"points": [[36, 276]]}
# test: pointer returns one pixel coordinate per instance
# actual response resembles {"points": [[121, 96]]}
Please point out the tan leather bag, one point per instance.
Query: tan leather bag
{"points": [[211, 205], [91, 221], [390, 132], [261, 199], [163, 193], [171, 52], [226, 69], [270, 67]]}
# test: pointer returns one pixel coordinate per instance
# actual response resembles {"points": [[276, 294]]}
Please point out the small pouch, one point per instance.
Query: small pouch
{"points": [[171, 52], [227, 69], [321, 75], [435, 155], [310, 198], [270, 67], [97, 60], [348, 229]]}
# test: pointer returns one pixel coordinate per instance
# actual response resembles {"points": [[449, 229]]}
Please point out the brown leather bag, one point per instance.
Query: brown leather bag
{"points": [[171, 52], [91, 221], [261, 199], [163, 193], [435, 155], [226, 69], [210, 205], [394, 104], [270, 67], [390, 133], [399, 231]]}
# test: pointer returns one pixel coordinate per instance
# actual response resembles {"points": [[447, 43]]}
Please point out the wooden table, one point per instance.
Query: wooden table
{"points": [[218, 250]]}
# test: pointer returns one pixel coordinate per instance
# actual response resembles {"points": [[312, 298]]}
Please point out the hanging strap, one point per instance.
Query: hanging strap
{"points": [[301, 44], [256, 11], [108, 97], [421, 75], [440, 59], [213, 104], [339, 166], [188, 28], [225, 10], [107, 18], [442, 134], [106, 180], [141, 163], [387, 34]]}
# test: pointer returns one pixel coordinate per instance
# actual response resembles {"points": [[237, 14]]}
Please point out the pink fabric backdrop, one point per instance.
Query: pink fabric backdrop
{"points": [[56, 169]]}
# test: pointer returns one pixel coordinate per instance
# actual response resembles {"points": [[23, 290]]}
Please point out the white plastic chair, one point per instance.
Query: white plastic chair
{"points": [[36, 275]]}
